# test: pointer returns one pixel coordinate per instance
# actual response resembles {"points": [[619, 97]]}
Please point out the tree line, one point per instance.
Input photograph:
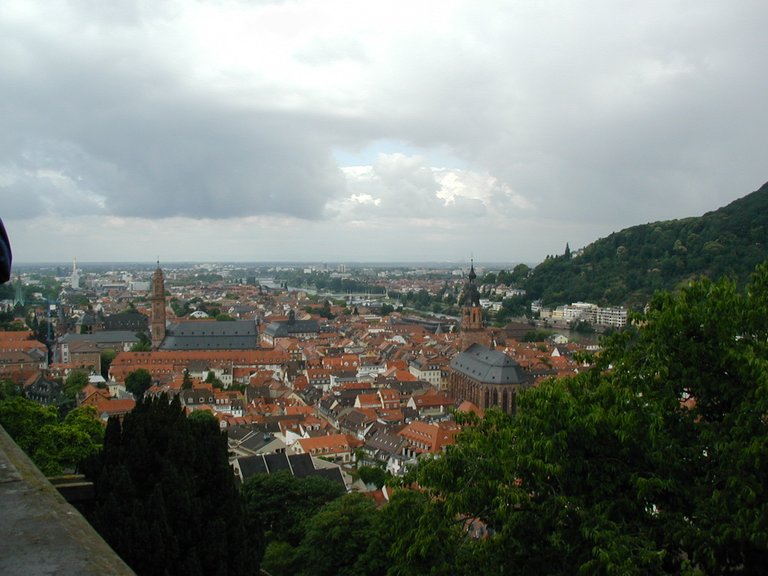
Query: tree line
{"points": [[628, 266]]}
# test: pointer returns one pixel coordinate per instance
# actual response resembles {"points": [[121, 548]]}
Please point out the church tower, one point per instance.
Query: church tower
{"points": [[74, 280], [157, 321], [472, 330]]}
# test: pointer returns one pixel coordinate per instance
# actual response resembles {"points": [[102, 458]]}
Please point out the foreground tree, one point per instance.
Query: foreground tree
{"points": [[277, 504], [653, 461], [333, 542], [54, 446], [414, 536], [166, 497], [374, 475]]}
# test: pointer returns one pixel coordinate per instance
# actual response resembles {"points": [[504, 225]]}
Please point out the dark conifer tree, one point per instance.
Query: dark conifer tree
{"points": [[166, 497]]}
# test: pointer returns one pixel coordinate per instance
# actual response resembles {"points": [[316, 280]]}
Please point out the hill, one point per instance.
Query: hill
{"points": [[628, 266]]}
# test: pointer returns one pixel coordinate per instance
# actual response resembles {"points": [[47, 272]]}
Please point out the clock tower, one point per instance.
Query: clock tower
{"points": [[472, 330]]}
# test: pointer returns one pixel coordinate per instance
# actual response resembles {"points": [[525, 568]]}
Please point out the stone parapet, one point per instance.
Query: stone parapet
{"points": [[40, 533]]}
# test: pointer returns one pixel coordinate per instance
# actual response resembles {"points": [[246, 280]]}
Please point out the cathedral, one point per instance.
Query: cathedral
{"points": [[487, 378], [196, 334], [479, 374]]}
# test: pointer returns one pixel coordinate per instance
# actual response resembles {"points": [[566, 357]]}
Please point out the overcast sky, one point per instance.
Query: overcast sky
{"points": [[330, 130]]}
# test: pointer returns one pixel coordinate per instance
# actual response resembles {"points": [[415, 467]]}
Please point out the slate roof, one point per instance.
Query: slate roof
{"points": [[238, 432], [252, 465], [384, 441], [277, 462], [298, 465], [130, 320], [45, 391], [301, 465], [211, 335], [488, 366], [111, 337], [256, 442], [332, 474], [287, 328]]}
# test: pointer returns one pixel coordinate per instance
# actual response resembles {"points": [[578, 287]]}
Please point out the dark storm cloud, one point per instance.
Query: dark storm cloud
{"points": [[601, 111], [559, 120], [128, 131]]}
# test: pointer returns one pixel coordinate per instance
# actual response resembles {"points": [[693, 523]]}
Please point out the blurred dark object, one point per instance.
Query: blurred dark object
{"points": [[5, 255]]}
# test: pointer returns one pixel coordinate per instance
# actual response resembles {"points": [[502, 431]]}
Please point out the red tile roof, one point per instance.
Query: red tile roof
{"points": [[424, 437], [333, 444]]}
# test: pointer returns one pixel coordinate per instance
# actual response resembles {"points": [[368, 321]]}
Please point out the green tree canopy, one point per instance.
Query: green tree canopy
{"points": [[488, 278], [8, 389], [346, 526], [143, 345], [106, 361], [652, 461], [21, 418], [520, 273], [55, 447], [373, 475], [186, 383], [86, 419], [211, 378], [75, 381], [414, 536], [138, 382], [334, 541], [278, 503]]}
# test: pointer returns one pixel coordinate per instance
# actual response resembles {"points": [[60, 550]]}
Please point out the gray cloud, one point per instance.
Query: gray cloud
{"points": [[113, 124], [602, 112], [581, 118]]}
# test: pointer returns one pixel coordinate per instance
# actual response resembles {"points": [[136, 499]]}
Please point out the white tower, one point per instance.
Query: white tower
{"points": [[75, 279]]}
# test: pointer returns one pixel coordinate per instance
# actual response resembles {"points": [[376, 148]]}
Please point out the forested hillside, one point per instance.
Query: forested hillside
{"points": [[627, 267]]}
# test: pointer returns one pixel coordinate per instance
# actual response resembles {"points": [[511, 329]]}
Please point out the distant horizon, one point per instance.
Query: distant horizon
{"points": [[377, 263]]}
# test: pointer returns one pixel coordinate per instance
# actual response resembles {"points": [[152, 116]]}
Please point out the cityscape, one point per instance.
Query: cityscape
{"points": [[368, 376], [338, 385], [300, 288], [389, 322]]}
